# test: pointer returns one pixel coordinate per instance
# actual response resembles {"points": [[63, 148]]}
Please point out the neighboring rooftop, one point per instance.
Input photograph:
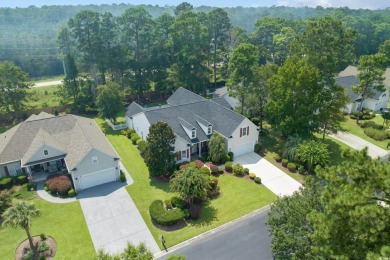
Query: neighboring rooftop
{"points": [[348, 82], [73, 135], [353, 71], [183, 96]]}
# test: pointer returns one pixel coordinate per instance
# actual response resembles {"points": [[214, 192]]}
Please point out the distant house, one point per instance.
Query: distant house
{"points": [[193, 119], [224, 94], [378, 102], [46, 144]]}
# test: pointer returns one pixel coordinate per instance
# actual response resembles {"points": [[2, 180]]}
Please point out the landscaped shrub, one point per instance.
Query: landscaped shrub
{"points": [[277, 158], [141, 145], [122, 176], [238, 169], [301, 169], [168, 204], [257, 180], [231, 156], [204, 170], [252, 175], [165, 217], [246, 171], [371, 124], [31, 186], [184, 165], [43, 236], [257, 147], [130, 132], [291, 167], [214, 190], [376, 134], [21, 179], [134, 138], [72, 193], [229, 166], [255, 120], [213, 168], [186, 213], [195, 211], [352, 116], [284, 162], [59, 184], [178, 203], [220, 170], [199, 164], [192, 164], [5, 183]]}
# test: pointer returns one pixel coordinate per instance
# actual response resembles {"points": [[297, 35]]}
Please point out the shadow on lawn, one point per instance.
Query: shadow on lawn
{"points": [[208, 214]]}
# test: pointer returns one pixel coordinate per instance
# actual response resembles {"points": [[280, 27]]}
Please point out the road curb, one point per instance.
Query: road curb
{"points": [[212, 231]]}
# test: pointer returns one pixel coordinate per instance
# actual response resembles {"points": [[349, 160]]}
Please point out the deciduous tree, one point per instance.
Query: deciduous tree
{"points": [[109, 101], [217, 148]]}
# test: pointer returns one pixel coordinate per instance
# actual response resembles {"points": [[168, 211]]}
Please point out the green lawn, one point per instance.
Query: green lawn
{"points": [[47, 79], [351, 127], [42, 97], [335, 147], [239, 196], [64, 222]]}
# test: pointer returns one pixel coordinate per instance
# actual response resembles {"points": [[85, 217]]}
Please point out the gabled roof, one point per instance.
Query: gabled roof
{"points": [[353, 71], [183, 96], [348, 82], [133, 109], [73, 135], [221, 101]]}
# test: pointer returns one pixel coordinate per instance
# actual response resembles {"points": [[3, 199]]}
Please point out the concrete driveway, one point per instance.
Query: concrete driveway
{"points": [[113, 219], [359, 143], [271, 176]]}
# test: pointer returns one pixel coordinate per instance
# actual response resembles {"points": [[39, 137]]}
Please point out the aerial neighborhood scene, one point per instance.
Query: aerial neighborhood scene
{"points": [[199, 130]]}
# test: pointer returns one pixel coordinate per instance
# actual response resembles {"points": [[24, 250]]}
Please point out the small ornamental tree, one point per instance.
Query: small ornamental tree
{"points": [[313, 153], [159, 154], [217, 148], [20, 215], [109, 101], [190, 184]]}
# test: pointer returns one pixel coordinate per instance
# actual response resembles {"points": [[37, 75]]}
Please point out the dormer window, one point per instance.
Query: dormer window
{"points": [[94, 159], [193, 134], [45, 152], [209, 129]]}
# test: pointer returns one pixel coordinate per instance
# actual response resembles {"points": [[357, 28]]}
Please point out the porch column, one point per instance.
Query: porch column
{"points": [[29, 173], [200, 149]]}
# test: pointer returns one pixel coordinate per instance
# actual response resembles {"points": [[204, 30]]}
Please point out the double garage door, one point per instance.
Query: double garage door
{"points": [[241, 149], [97, 178]]}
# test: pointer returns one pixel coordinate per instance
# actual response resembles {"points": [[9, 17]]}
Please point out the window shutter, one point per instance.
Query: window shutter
{"points": [[247, 130], [188, 153], [240, 132], [178, 157]]}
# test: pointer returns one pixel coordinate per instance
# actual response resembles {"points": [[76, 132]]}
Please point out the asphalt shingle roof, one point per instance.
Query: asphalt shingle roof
{"points": [[133, 109], [347, 82], [183, 96], [73, 135]]}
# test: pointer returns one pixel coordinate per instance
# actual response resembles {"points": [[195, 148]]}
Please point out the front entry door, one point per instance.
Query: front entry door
{"points": [[6, 171]]}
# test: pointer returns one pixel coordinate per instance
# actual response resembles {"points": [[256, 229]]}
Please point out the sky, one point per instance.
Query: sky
{"points": [[353, 4]]}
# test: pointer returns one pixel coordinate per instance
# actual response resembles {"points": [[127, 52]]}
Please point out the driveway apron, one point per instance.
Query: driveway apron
{"points": [[271, 176], [113, 219]]}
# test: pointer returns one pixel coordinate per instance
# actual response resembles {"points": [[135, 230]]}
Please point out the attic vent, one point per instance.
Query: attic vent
{"points": [[45, 152]]}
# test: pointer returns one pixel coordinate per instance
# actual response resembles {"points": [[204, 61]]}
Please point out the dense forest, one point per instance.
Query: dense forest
{"points": [[28, 36]]}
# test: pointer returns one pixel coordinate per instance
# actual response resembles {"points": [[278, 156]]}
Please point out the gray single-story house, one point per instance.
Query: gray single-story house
{"points": [[193, 119], [45, 144]]}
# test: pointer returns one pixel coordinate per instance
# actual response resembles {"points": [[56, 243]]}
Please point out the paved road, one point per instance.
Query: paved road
{"points": [[47, 83], [245, 240], [271, 176], [113, 219], [359, 143]]}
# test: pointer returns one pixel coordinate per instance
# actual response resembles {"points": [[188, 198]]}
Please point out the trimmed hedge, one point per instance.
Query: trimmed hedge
{"points": [[229, 166], [238, 169], [204, 170], [257, 147], [5, 183], [178, 203], [371, 124], [21, 179], [277, 158], [284, 162], [220, 170], [252, 175], [130, 131], [257, 180], [199, 164], [134, 138], [246, 171], [376, 134], [213, 168], [184, 165], [60, 184], [165, 217], [122, 176], [72, 193], [291, 167], [141, 145]]}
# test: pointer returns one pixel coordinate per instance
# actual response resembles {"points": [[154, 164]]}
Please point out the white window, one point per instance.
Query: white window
{"points": [[243, 131], [45, 152], [94, 159], [193, 134], [209, 129], [183, 154]]}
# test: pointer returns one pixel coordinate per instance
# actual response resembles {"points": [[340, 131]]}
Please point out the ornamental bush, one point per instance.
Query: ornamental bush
{"points": [[291, 167], [141, 145], [60, 184], [31, 186], [301, 169], [238, 169], [165, 217], [220, 170], [204, 170], [192, 165], [134, 138], [252, 175], [376, 134], [129, 132], [184, 165], [284, 162], [72, 193], [178, 203], [277, 158], [231, 156], [122, 176], [199, 164], [5, 183], [21, 179], [257, 147], [246, 171], [229, 166], [213, 168], [257, 180], [371, 124]]}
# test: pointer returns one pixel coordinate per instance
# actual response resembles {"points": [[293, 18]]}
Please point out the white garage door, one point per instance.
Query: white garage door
{"points": [[241, 149], [97, 178]]}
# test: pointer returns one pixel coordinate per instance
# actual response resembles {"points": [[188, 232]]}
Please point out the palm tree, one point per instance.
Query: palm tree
{"points": [[20, 215]]}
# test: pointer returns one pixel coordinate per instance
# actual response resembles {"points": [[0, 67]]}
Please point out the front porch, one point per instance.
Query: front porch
{"points": [[40, 170]]}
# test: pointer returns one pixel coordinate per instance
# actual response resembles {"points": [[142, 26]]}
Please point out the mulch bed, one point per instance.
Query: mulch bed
{"points": [[24, 247]]}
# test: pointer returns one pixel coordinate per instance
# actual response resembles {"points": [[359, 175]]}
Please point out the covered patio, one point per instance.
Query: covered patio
{"points": [[41, 169]]}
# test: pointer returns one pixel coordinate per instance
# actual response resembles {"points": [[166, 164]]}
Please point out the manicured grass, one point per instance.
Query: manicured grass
{"points": [[335, 147], [351, 127], [42, 97], [239, 196], [64, 222]]}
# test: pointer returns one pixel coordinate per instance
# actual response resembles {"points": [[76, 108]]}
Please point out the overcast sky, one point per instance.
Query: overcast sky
{"points": [[355, 4]]}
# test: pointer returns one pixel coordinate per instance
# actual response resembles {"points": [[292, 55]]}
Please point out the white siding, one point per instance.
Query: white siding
{"points": [[13, 169], [141, 125], [181, 145], [86, 166], [236, 140], [129, 122], [231, 101], [39, 155]]}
